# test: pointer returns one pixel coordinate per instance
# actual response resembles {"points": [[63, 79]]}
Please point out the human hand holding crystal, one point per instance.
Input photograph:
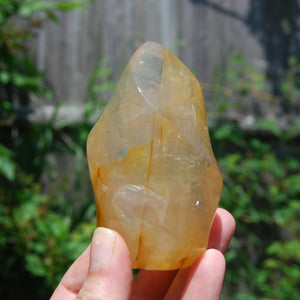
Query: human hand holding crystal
{"points": [[103, 271]]}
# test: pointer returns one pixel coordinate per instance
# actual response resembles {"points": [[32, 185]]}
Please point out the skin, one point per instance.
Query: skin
{"points": [[103, 271]]}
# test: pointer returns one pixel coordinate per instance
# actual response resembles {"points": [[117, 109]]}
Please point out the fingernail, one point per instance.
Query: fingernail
{"points": [[102, 248]]}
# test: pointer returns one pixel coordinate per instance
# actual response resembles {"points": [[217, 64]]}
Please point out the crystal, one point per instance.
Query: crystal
{"points": [[154, 175]]}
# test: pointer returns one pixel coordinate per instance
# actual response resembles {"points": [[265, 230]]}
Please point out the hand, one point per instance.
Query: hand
{"points": [[103, 271]]}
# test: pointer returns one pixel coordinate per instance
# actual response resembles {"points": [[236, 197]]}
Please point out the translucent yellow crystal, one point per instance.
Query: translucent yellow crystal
{"points": [[154, 175]]}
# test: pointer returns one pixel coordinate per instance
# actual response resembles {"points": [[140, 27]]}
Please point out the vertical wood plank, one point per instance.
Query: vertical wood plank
{"points": [[169, 24], [204, 29]]}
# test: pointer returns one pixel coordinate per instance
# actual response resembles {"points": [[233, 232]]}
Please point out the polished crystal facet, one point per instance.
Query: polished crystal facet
{"points": [[154, 175]]}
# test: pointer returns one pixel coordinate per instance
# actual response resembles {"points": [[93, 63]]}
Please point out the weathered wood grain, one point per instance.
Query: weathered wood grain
{"points": [[201, 32]]}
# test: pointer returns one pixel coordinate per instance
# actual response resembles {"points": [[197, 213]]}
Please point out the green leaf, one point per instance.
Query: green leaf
{"points": [[268, 125], [272, 263], [35, 265], [259, 145], [26, 212], [286, 250], [106, 86], [239, 59], [7, 168], [26, 81], [294, 130], [292, 61], [30, 7], [293, 185], [223, 132], [7, 106], [7, 163], [4, 77], [285, 86], [70, 5], [52, 16]]}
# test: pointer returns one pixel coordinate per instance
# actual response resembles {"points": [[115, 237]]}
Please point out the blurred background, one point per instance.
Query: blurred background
{"points": [[59, 62]]}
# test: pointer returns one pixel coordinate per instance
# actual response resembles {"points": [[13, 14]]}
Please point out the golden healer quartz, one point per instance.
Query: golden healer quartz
{"points": [[154, 175]]}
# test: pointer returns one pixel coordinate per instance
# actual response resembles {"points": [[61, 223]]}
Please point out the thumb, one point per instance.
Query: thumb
{"points": [[109, 275]]}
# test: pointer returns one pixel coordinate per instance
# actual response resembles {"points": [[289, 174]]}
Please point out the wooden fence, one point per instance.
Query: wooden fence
{"points": [[200, 32]]}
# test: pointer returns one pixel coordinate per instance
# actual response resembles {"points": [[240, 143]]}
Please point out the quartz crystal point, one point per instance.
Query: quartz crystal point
{"points": [[154, 175]]}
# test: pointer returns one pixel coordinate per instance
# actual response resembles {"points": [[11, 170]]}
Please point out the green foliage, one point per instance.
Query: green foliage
{"points": [[7, 163], [37, 236], [19, 76], [236, 82], [41, 234], [100, 82], [290, 85], [262, 191], [261, 187], [26, 8]]}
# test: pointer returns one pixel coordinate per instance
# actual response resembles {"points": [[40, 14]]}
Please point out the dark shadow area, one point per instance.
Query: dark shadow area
{"points": [[275, 23]]}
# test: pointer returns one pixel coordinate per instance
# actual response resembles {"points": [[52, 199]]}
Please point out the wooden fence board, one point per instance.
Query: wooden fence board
{"points": [[199, 32]]}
